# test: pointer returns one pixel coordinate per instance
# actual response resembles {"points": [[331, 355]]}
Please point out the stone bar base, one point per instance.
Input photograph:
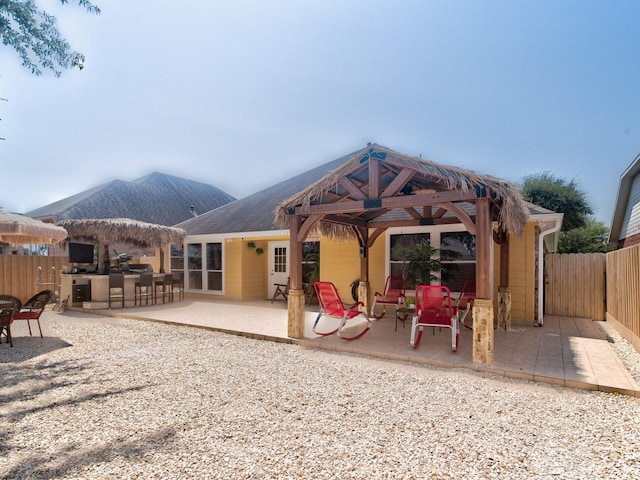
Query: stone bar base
{"points": [[295, 307], [504, 308], [483, 331]]}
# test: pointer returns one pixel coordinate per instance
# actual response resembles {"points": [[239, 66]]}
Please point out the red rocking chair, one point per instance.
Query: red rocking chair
{"points": [[433, 309], [394, 290], [464, 304], [331, 305]]}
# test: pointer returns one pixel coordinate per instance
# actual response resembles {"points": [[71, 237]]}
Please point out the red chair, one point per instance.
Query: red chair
{"points": [[394, 294], [9, 305], [464, 304], [331, 305], [33, 308], [434, 309]]}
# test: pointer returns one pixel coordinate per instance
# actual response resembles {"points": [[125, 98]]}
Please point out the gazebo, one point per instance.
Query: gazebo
{"points": [[105, 231], [379, 188]]}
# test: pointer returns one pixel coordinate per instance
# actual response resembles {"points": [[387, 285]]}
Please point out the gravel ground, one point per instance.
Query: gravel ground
{"points": [[130, 399]]}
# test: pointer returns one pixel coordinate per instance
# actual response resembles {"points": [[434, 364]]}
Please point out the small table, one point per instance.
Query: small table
{"points": [[403, 312]]}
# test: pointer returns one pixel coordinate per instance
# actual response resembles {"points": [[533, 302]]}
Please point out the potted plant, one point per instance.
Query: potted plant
{"points": [[421, 264]]}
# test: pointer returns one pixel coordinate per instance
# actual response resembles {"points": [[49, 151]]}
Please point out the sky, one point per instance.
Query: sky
{"points": [[243, 94]]}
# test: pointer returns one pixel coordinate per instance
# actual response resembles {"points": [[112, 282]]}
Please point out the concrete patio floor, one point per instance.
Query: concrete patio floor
{"points": [[572, 352]]}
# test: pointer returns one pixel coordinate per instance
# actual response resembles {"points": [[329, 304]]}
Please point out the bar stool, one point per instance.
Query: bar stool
{"points": [[144, 289], [166, 288], [178, 285], [116, 288]]}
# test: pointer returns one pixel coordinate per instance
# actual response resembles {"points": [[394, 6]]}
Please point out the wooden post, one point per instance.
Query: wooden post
{"points": [[295, 302], [483, 305], [504, 308]]}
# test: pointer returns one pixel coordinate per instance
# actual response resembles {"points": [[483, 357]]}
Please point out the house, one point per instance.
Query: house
{"points": [[625, 225], [156, 198], [241, 250]]}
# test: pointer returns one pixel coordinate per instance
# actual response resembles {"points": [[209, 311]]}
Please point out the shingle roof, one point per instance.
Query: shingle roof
{"points": [[255, 213], [156, 198]]}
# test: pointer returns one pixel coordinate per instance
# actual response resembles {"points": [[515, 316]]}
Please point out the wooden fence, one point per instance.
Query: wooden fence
{"points": [[623, 292], [575, 285], [19, 273]]}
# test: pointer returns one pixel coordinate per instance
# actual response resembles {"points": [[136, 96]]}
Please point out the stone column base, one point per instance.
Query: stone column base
{"points": [[483, 331], [295, 307]]}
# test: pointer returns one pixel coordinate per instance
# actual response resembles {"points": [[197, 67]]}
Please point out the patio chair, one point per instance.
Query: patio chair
{"points": [[464, 304], [331, 305], [434, 309], [282, 290], [178, 285], [33, 308], [394, 295], [8, 306]]}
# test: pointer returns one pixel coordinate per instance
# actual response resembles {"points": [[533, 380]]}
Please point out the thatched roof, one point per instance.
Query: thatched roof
{"points": [[400, 175], [19, 229], [123, 230]]}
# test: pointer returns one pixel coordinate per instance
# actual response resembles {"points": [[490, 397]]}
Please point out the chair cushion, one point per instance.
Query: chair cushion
{"points": [[26, 315]]}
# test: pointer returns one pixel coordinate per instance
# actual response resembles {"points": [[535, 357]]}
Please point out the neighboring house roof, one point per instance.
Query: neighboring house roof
{"points": [[626, 216], [156, 198], [256, 213]]}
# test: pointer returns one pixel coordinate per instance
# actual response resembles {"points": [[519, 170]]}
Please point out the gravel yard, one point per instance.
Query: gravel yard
{"points": [[112, 398]]}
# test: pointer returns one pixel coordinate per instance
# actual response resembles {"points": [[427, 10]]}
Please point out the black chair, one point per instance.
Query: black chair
{"points": [[144, 289], [8, 306], [166, 288], [116, 288]]}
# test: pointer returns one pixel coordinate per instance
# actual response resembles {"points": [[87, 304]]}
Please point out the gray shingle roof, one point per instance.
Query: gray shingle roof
{"points": [[156, 198], [255, 213]]}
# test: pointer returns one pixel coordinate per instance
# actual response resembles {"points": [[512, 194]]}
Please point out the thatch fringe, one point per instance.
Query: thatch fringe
{"points": [[123, 230]]}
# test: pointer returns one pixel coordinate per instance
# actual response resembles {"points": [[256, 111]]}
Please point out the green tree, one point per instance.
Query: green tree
{"points": [[591, 238], [581, 233], [558, 195], [34, 35]]}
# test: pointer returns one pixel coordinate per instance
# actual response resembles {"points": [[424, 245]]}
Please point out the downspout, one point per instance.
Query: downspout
{"points": [[557, 224]]}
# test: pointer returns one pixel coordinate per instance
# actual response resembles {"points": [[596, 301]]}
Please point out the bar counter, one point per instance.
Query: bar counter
{"points": [[91, 290]]}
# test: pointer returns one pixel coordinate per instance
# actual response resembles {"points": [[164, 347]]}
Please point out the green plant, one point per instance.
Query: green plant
{"points": [[421, 264], [312, 264], [251, 245]]}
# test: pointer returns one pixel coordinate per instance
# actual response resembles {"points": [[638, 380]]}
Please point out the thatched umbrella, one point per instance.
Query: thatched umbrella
{"points": [[104, 231], [18, 229]]}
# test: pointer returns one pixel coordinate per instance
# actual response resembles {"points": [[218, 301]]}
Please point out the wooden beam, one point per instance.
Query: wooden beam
{"points": [[352, 188], [306, 226], [376, 233], [374, 178], [414, 222], [398, 183], [350, 206], [461, 215]]}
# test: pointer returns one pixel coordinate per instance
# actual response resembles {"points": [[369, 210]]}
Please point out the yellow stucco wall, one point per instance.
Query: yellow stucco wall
{"points": [[246, 274]]}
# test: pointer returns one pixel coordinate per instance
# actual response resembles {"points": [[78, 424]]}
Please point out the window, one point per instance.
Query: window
{"points": [[194, 263], [398, 242], [458, 251], [310, 261], [214, 266], [176, 259]]}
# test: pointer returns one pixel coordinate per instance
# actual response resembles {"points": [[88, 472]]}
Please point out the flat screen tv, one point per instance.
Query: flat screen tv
{"points": [[80, 253]]}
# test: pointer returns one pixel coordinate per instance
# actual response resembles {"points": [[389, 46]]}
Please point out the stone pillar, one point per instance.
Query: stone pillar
{"points": [[295, 308], [504, 308], [483, 331], [363, 296]]}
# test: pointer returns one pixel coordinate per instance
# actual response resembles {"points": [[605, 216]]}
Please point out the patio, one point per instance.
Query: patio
{"points": [[572, 352]]}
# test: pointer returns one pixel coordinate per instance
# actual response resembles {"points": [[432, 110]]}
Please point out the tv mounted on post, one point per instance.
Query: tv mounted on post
{"points": [[80, 253]]}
